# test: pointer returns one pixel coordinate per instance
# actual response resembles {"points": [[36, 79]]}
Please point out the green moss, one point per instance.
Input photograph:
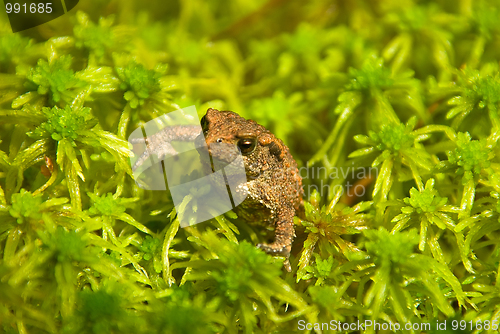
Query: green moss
{"points": [[67, 245], [427, 200], [239, 268], [392, 250], [25, 206], [484, 18], [486, 90], [393, 138], [149, 246], [471, 156], [478, 95], [13, 47], [372, 75], [63, 123], [55, 77], [138, 83], [99, 312], [96, 38], [106, 205], [391, 109]]}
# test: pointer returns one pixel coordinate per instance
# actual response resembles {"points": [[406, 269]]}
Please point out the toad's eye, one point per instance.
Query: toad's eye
{"points": [[247, 145]]}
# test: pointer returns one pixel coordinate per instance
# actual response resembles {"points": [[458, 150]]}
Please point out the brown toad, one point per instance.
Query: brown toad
{"points": [[273, 184]]}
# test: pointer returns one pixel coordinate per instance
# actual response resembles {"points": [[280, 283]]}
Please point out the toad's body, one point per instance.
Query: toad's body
{"points": [[273, 187]]}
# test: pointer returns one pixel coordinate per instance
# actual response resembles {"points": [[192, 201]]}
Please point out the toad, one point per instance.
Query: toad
{"points": [[273, 186]]}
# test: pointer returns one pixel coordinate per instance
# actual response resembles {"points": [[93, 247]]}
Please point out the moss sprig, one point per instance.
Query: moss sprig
{"points": [[400, 155], [324, 227], [243, 275], [372, 84], [429, 210], [394, 263], [55, 79]]}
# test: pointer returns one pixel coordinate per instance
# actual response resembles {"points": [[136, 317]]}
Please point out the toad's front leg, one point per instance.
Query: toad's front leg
{"points": [[284, 234], [160, 143]]}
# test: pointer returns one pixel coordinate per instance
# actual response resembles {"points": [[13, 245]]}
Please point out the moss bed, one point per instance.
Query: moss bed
{"points": [[391, 109]]}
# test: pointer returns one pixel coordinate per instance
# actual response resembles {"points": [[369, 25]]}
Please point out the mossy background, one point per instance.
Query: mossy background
{"points": [[409, 88]]}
